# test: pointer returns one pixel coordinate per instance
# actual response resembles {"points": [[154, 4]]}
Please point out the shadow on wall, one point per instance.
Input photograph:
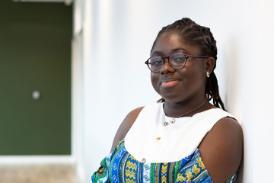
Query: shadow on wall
{"points": [[232, 63]]}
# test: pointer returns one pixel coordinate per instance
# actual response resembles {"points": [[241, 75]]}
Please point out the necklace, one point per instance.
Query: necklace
{"points": [[171, 120]]}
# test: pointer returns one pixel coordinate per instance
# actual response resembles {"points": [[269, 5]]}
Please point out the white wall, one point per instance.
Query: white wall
{"points": [[117, 36]]}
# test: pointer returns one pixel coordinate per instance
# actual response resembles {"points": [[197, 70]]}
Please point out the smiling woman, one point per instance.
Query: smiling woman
{"points": [[185, 137]]}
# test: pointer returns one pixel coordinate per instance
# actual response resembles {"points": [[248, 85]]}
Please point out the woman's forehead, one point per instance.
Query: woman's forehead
{"points": [[171, 41]]}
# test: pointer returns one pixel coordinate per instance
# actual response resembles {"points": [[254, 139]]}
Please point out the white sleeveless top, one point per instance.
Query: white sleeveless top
{"points": [[156, 138]]}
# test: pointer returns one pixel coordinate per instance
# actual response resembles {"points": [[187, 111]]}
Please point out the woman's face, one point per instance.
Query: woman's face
{"points": [[178, 85]]}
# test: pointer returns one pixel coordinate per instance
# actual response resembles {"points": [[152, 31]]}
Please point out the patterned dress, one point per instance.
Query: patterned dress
{"points": [[122, 166]]}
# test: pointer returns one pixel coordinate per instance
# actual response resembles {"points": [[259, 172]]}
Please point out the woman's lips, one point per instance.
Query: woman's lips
{"points": [[169, 84]]}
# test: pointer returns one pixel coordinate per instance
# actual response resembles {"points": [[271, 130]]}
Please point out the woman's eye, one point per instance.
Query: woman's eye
{"points": [[157, 61], [179, 58]]}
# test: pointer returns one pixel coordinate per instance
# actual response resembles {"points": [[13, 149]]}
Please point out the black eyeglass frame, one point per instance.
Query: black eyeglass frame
{"points": [[168, 60]]}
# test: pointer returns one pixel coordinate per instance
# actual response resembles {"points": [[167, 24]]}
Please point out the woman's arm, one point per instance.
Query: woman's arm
{"points": [[125, 126], [222, 149]]}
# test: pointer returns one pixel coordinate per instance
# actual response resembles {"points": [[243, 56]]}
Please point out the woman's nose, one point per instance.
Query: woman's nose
{"points": [[166, 67]]}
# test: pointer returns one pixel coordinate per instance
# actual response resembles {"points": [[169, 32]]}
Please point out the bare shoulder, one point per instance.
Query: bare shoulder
{"points": [[125, 126], [222, 149]]}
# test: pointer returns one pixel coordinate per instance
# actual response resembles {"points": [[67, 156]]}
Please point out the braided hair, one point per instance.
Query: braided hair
{"points": [[201, 36]]}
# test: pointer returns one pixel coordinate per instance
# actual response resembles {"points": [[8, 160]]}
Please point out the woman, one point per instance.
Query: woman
{"points": [[183, 137]]}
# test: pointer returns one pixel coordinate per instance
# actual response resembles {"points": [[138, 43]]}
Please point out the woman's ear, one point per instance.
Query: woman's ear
{"points": [[210, 64]]}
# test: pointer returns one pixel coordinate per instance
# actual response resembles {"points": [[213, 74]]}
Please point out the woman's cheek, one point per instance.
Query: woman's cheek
{"points": [[155, 82]]}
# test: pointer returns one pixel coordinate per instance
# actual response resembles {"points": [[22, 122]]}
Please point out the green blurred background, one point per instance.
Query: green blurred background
{"points": [[35, 55]]}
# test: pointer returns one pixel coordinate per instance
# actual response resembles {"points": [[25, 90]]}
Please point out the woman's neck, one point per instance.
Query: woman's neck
{"points": [[186, 108]]}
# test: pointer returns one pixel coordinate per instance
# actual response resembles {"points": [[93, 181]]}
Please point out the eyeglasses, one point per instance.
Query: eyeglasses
{"points": [[176, 61]]}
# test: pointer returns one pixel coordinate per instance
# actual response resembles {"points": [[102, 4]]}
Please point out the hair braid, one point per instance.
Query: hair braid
{"points": [[201, 36]]}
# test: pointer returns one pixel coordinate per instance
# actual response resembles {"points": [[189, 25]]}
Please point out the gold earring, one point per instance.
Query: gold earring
{"points": [[207, 74]]}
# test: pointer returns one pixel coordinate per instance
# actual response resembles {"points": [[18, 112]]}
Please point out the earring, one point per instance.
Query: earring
{"points": [[207, 74]]}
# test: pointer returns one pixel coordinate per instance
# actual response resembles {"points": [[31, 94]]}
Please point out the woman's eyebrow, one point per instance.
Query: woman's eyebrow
{"points": [[157, 52], [179, 49]]}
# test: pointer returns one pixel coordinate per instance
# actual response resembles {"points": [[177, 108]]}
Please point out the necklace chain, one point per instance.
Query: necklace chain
{"points": [[192, 110], [165, 123]]}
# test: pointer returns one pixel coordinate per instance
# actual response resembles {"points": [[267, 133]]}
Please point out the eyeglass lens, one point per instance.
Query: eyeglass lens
{"points": [[177, 61]]}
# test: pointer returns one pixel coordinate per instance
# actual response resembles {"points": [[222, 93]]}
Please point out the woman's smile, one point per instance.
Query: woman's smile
{"points": [[169, 84]]}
